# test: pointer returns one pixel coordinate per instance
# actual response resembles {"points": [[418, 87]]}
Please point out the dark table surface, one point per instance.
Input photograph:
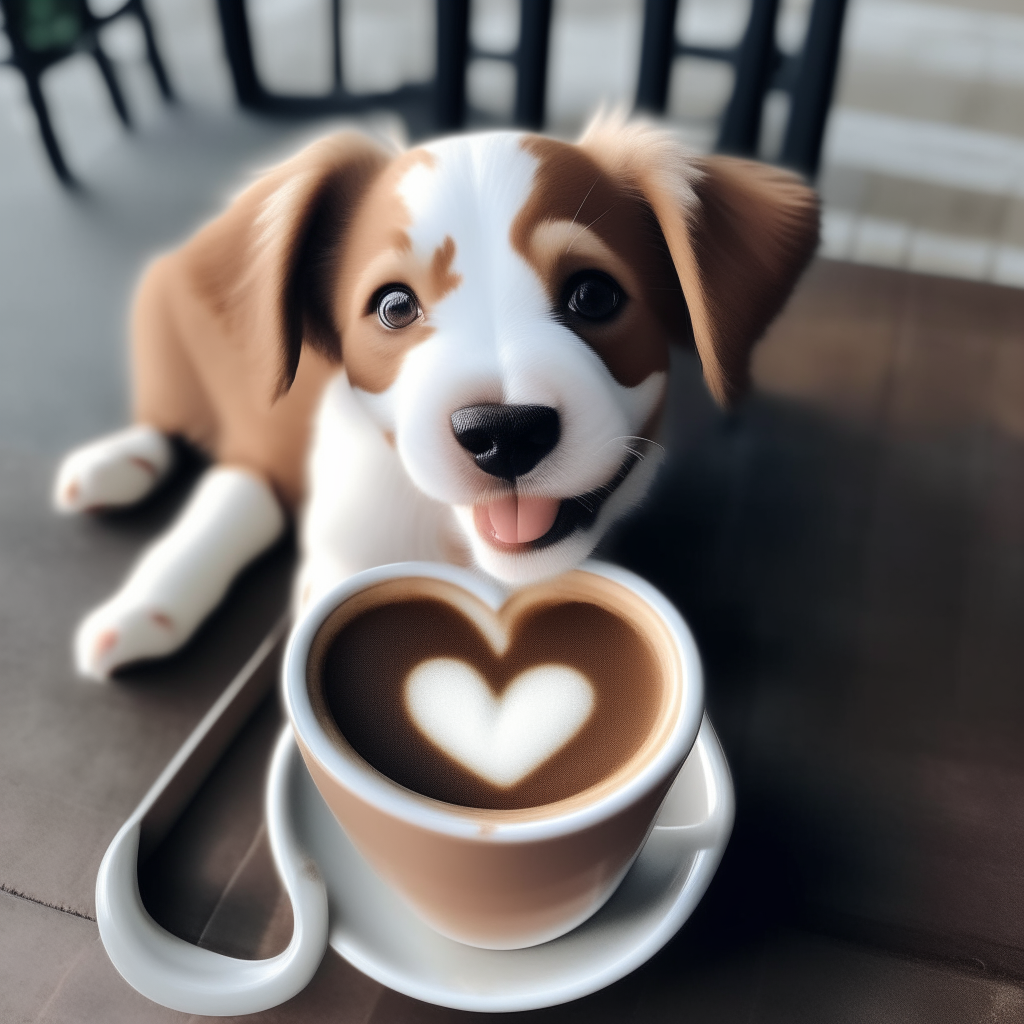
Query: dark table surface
{"points": [[849, 550]]}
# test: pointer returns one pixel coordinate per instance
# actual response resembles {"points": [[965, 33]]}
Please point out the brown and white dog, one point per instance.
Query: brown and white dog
{"points": [[457, 352]]}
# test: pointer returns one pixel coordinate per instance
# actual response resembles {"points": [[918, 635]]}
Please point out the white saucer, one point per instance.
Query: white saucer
{"points": [[375, 931]]}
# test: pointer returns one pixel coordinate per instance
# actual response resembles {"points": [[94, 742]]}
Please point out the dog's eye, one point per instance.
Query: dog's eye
{"points": [[593, 295], [397, 307]]}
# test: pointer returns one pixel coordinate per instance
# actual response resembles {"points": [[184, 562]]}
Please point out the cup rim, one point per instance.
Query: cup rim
{"points": [[375, 789]]}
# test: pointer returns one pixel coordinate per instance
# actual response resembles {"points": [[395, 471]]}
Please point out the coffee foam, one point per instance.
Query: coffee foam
{"points": [[589, 632], [500, 738]]}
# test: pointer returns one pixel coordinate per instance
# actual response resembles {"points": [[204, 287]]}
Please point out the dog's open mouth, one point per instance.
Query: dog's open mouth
{"points": [[519, 523]]}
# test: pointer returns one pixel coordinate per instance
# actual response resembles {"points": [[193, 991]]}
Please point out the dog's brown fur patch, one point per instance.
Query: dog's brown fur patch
{"points": [[379, 252], [739, 233], [443, 279], [218, 325], [573, 191]]}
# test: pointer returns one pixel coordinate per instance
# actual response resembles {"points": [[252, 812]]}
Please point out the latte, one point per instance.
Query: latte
{"points": [[558, 697]]}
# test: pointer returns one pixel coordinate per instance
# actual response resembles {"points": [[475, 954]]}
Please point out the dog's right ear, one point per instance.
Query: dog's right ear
{"points": [[269, 263], [739, 234]]}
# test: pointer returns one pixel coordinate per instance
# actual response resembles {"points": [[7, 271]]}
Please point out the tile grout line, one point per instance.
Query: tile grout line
{"points": [[65, 974], [235, 875], [60, 907]]}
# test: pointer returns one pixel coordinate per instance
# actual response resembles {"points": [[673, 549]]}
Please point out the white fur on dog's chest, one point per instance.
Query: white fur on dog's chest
{"points": [[362, 508]]}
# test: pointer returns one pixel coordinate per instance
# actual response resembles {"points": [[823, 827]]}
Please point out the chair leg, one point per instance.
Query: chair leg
{"points": [[336, 75], [155, 60], [656, 53], [35, 95], [741, 125], [452, 47], [110, 77], [812, 90], [234, 27], [532, 62]]}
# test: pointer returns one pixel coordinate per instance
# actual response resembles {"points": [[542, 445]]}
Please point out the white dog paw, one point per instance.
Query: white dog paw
{"points": [[120, 632], [119, 469]]}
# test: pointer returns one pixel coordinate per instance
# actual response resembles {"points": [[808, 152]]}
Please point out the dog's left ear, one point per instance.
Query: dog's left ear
{"points": [[268, 263], [739, 234], [299, 233]]}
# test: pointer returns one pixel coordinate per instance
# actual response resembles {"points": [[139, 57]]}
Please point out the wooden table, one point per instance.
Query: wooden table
{"points": [[849, 550]]}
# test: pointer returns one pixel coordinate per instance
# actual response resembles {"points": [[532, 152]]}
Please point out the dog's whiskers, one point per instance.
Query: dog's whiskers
{"points": [[641, 449], [586, 227], [580, 207]]}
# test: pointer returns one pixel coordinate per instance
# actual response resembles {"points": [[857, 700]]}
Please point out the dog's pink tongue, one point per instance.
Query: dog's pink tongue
{"points": [[518, 520]]}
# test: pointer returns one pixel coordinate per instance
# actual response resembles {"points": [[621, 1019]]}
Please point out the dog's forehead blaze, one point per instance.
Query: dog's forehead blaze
{"points": [[442, 279], [386, 213], [568, 187], [571, 188], [382, 229]]}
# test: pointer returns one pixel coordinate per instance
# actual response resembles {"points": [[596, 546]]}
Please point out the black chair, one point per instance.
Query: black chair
{"points": [[413, 101], [44, 32], [760, 66], [529, 58], [437, 105]]}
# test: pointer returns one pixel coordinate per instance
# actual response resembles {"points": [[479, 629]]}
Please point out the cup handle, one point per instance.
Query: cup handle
{"points": [[184, 977]]}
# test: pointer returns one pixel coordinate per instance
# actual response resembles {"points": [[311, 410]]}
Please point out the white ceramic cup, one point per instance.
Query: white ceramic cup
{"points": [[519, 879]]}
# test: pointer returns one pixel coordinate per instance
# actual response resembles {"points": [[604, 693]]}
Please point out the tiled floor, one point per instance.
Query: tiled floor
{"points": [[924, 158]]}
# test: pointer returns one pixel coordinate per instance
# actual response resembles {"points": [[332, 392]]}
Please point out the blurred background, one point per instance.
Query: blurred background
{"points": [[923, 163], [921, 167], [848, 545]]}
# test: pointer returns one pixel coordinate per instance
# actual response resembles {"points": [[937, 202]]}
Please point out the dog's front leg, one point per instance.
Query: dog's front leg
{"points": [[231, 517]]}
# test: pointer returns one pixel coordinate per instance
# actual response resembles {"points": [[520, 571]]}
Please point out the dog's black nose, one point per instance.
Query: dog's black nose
{"points": [[507, 440]]}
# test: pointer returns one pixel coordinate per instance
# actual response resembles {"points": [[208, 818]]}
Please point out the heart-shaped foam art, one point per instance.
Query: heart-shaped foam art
{"points": [[503, 738], [570, 684]]}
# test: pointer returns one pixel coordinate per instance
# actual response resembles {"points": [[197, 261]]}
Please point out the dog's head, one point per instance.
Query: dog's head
{"points": [[505, 303]]}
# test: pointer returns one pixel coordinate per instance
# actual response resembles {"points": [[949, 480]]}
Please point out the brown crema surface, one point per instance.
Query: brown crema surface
{"points": [[359, 692]]}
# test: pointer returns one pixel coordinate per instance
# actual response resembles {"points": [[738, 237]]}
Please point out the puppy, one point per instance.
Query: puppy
{"points": [[457, 353]]}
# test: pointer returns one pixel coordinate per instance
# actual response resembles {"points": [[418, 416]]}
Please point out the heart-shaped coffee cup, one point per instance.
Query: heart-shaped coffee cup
{"points": [[498, 759]]}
